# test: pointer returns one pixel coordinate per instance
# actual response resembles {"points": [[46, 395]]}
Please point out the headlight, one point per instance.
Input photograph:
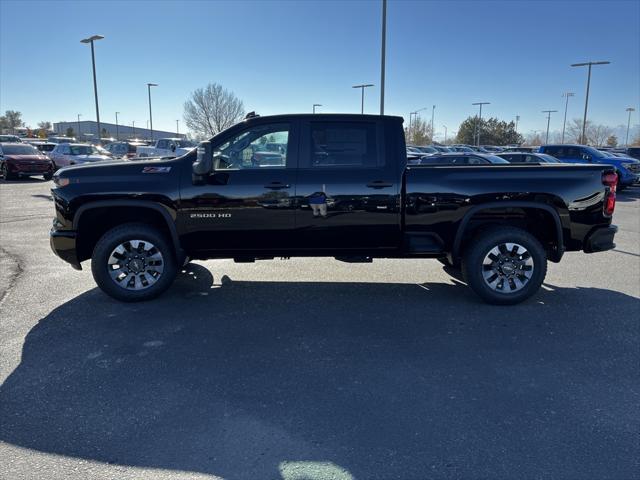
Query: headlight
{"points": [[60, 181]]}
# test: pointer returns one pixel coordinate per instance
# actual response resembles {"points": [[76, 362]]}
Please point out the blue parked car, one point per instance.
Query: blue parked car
{"points": [[628, 168]]}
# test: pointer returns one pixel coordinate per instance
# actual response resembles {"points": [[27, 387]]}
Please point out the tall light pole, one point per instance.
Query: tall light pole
{"points": [[178, 127], [90, 40], [517, 120], [149, 85], [548, 112], [626, 142], [79, 115], [316, 105], [117, 128], [445, 134], [566, 106], [477, 126], [133, 125], [586, 99], [433, 132], [383, 54], [416, 114], [362, 87]]}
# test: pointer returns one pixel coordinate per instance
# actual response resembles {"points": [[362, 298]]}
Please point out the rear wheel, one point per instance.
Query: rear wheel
{"points": [[133, 262], [505, 265]]}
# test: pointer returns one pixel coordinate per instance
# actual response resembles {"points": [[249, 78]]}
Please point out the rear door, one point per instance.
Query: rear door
{"points": [[347, 189]]}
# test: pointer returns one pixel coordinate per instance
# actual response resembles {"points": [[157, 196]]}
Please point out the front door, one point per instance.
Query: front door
{"points": [[247, 203], [347, 190]]}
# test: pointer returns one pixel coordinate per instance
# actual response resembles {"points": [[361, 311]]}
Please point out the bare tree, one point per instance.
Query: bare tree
{"points": [[597, 135], [46, 126], [419, 133], [211, 110]]}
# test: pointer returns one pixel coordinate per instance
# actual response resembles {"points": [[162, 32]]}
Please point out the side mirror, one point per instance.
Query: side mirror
{"points": [[203, 165], [173, 147]]}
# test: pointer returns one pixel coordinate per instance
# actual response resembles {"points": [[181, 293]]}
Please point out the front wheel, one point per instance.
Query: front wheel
{"points": [[5, 173], [504, 265], [133, 262]]}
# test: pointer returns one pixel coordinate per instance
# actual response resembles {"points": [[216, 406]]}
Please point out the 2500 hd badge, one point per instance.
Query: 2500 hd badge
{"points": [[210, 215]]}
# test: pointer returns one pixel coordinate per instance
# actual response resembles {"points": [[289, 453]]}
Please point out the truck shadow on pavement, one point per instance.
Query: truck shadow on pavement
{"points": [[272, 380]]}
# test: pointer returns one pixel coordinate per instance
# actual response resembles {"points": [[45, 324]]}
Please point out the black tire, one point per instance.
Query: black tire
{"points": [[5, 173], [120, 235], [619, 187], [481, 247]]}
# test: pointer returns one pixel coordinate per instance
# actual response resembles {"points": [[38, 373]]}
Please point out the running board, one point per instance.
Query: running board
{"points": [[354, 259]]}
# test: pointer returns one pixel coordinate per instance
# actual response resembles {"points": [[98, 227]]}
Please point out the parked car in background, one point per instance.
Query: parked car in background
{"points": [[633, 152], [525, 157], [124, 149], [10, 139], [628, 169], [520, 149], [65, 154], [492, 148], [44, 146], [62, 139], [440, 148], [23, 160], [461, 148], [167, 147], [427, 150], [462, 158]]}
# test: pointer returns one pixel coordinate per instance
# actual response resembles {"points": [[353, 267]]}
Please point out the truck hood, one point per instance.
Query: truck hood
{"points": [[111, 167]]}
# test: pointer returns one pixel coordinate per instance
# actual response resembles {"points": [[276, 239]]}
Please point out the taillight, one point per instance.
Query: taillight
{"points": [[610, 179]]}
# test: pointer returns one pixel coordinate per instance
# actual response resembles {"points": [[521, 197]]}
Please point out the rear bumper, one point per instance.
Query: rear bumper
{"points": [[601, 239], [63, 244]]}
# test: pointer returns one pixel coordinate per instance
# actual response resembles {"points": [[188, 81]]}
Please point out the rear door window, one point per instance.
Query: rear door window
{"points": [[344, 144]]}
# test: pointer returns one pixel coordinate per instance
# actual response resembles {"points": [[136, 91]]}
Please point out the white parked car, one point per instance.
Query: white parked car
{"points": [[65, 154], [167, 147]]}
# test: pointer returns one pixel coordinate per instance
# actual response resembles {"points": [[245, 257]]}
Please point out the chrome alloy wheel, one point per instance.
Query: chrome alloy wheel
{"points": [[507, 267], [135, 264]]}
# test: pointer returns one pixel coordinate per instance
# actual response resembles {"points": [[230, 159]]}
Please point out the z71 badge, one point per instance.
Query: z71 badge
{"points": [[156, 169]]}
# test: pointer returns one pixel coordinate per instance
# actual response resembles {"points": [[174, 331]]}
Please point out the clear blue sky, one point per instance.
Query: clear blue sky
{"points": [[281, 57]]}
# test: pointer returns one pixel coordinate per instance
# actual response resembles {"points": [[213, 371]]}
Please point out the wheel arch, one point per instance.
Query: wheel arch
{"points": [[551, 213], [108, 214]]}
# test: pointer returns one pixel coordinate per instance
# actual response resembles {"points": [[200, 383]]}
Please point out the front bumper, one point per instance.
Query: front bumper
{"points": [[600, 239], [63, 244]]}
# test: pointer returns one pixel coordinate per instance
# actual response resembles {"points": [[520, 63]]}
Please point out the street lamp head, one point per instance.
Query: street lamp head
{"points": [[152, 84], [630, 109], [584, 64], [91, 38], [363, 85]]}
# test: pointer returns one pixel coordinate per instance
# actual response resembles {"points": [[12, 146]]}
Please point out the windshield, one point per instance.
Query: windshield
{"points": [[83, 150], [185, 144], [548, 158], [595, 152], [19, 150], [495, 159]]}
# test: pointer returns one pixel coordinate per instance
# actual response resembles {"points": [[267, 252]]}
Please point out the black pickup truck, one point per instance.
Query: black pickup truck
{"points": [[326, 185]]}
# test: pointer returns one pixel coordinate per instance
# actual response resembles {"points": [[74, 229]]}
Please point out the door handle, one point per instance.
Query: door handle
{"points": [[379, 184], [277, 185]]}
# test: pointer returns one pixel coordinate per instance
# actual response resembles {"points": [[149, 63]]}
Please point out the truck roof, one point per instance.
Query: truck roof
{"points": [[321, 116]]}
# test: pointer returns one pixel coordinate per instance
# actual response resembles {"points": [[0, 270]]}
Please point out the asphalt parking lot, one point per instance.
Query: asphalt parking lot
{"points": [[314, 369]]}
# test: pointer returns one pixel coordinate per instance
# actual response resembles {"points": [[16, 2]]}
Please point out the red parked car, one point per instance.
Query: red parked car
{"points": [[23, 160]]}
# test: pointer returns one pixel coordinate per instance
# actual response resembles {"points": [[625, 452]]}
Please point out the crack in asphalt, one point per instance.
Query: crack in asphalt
{"points": [[14, 270]]}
